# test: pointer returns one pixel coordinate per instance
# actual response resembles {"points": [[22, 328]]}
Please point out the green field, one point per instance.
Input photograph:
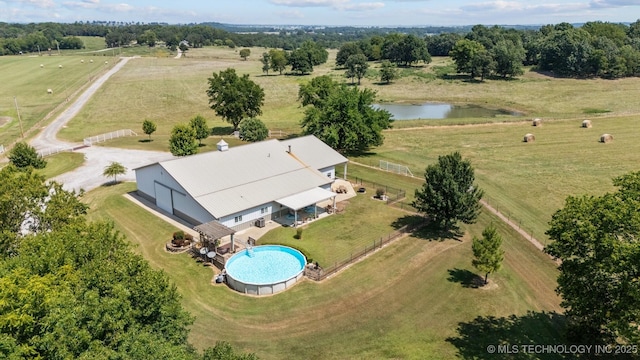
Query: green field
{"points": [[406, 301], [24, 79], [61, 163]]}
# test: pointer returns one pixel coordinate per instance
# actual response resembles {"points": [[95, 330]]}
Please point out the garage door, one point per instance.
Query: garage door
{"points": [[163, 198]]}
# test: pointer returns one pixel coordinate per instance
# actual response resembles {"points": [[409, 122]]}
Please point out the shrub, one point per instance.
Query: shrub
{"points": [[298, 234], [23, 155], [178, 235], [379, 193]]}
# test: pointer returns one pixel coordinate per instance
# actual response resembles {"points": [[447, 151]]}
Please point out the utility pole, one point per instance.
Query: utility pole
{"points": [[15, 100]]}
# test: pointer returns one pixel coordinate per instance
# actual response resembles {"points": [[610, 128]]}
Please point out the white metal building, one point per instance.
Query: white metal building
{"points": [[235, 186]]}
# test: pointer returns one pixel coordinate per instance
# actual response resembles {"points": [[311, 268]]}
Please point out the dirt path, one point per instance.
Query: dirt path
{"points": [[89, 175]]}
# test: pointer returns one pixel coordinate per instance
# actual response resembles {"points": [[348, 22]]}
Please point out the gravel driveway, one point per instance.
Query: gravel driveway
{"points": [[89, 175]]}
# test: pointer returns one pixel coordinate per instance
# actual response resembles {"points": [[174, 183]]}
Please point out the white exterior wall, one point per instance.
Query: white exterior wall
{"points": [[249, 215], [329, 172], [150, 177]]}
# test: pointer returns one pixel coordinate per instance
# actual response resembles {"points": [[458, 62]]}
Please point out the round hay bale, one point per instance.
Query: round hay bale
{"points": [[537, 122], [60, 66], [529, 138], [106, 62], [41, 65], [82, 61], [606, 138], [91, 61], [49, 91], [586, 124]]}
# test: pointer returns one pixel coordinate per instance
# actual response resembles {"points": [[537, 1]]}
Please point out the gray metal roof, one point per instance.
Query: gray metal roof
{"points": [[306, 198], [312, 151], [227, 182]]}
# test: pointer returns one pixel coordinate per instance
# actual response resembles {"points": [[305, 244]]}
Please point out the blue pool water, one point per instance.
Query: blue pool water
{"points": [[266, 264]]}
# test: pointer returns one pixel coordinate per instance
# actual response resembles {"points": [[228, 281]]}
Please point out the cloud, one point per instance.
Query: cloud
{"points": [[603, 4], [290, 14], [506, 7], [346, 5], [46, 4]]}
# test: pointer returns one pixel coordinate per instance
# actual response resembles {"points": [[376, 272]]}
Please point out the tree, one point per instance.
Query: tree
{"points": [[343, 118], [464, 53], [448, 194], [388, 71], [253, 130], [278, 60], [199, 126], [595, 237], [234, 98], [413, 49], [224, 351], [508, 57], [149, 127], [183, 141], [114, 169], [346, 50], [300, 61], [265, 60], [357, 66], [487, 252], [244, 54], [482, 64], [183, 47], [22, 155], [29, 203], [317, 91]]}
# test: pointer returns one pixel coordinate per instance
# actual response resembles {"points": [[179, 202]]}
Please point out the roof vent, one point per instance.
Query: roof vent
{"points": [[289, 149], [223, 146]]}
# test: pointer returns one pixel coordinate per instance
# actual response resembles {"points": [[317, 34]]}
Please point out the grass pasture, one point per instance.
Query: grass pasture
{"points": [[61, 163], [406, 301], [527, 181], [23, 78]]}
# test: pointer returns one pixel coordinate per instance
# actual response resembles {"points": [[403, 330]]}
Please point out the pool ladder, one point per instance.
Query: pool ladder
{"points": [[250, 252]]}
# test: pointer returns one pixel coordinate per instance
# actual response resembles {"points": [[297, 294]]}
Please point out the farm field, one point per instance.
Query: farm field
{"points": [[528, 181], [24, 79], [413, 299]]}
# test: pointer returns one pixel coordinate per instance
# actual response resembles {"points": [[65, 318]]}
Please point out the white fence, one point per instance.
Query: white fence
{"points": [[395, 168], [108, 136], [53, 151]]}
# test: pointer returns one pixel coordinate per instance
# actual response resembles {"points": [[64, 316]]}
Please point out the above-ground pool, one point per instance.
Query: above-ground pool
{"points": [[265, 270]]}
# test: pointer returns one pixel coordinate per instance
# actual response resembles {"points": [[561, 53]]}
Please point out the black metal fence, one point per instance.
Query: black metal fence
{"points": [[318, 274]]}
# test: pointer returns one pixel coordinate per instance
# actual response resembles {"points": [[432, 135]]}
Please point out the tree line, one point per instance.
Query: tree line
{"points": [[602, 49]]}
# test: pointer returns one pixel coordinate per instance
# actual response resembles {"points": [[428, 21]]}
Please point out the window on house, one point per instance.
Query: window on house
{"points": [[238, 218]]}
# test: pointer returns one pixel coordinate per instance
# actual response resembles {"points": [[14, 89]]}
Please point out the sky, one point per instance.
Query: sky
{"points": [[324, 12]]}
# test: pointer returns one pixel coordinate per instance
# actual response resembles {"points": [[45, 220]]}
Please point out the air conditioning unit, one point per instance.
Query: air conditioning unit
{"points": [[260, 222]]}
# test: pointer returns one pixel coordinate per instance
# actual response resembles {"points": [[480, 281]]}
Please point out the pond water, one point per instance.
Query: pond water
{"points": [[441, 111]]}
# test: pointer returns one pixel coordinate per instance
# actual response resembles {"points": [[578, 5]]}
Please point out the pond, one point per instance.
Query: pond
{"points": [[441, 111]]}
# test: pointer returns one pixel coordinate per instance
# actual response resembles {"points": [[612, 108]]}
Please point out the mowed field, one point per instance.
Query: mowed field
{"points": [[414, 299], [24, 79]]}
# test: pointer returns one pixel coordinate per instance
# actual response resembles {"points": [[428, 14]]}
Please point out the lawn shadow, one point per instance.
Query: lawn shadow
{"points": [[110, 183], [465, 277], [145, 140], [480, 338], [434, 233], [407, 220], [222, 130]]}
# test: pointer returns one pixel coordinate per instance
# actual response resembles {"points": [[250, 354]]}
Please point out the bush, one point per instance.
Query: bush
{"points": [[298, 234], [23, 155], [379, 193], [178, 235]]}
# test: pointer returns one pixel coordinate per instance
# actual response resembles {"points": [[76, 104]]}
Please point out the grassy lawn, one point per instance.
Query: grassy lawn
{"points": [[526, 181], [23, 78], [61, 163], [337, 237], [406, 301]]}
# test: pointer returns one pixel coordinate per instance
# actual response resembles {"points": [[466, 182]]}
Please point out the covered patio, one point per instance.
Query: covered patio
{"points": [[307, 201], [212, 232]]}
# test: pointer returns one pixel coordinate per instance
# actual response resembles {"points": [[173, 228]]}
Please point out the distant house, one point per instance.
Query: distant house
{"points": [[235, 186]]}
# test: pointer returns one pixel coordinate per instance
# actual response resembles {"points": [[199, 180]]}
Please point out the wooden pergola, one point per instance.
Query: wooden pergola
{"points": [[212, 231]]}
